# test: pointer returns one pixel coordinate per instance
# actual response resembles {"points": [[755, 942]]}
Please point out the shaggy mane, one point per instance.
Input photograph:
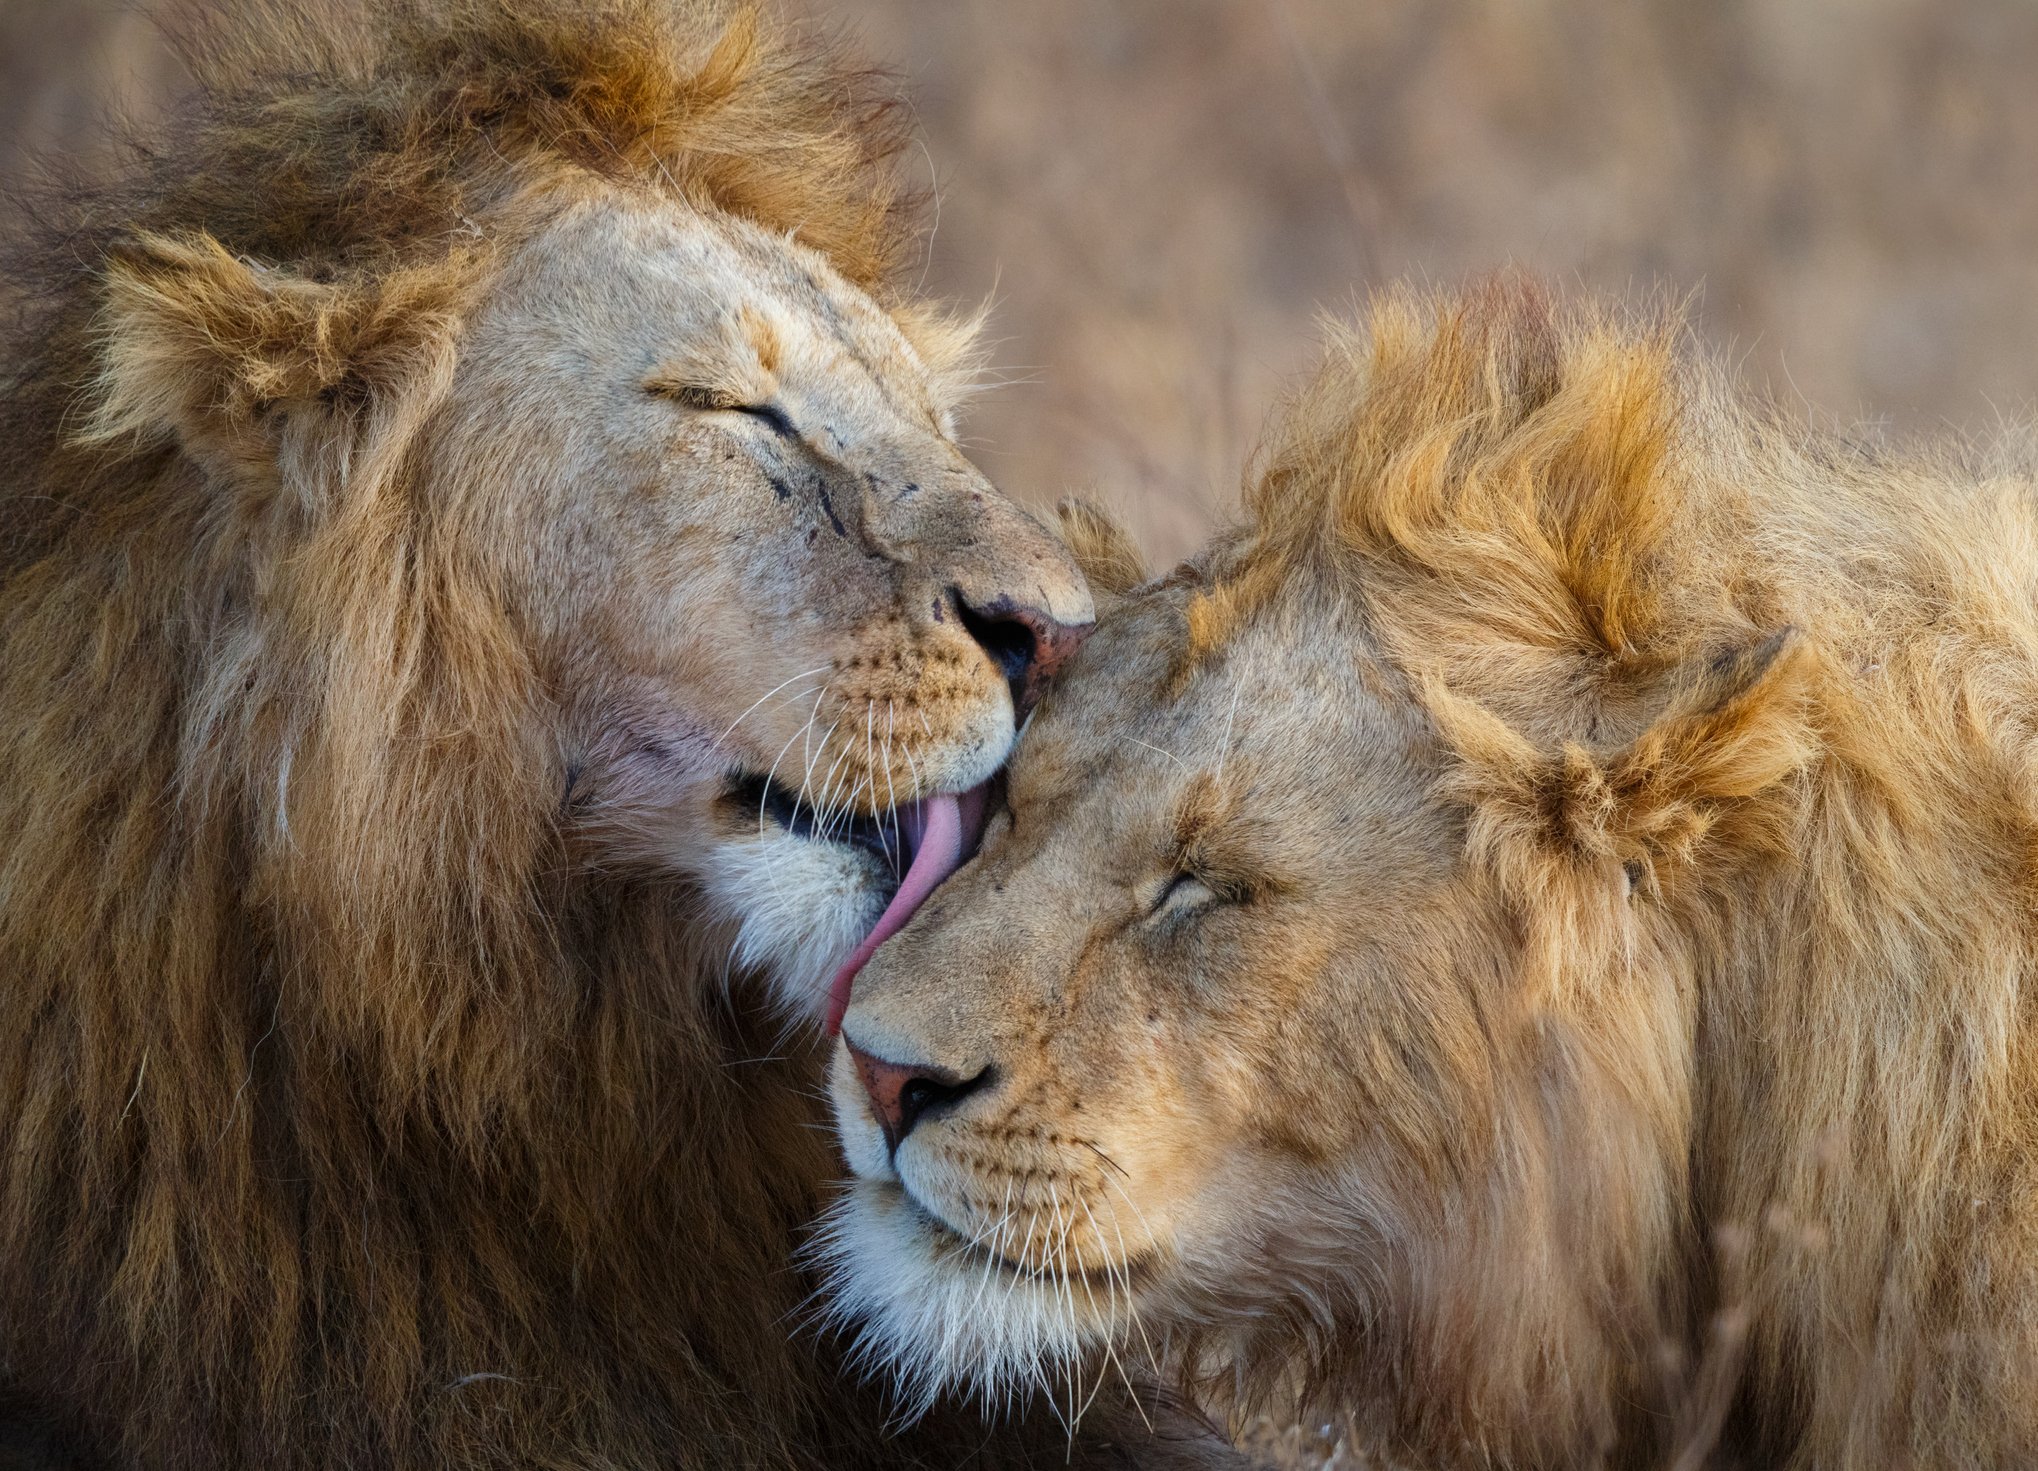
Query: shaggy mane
{"points": [[1738, 715]]}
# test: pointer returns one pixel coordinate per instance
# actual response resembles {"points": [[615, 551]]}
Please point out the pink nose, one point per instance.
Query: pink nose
{"points": [[900, 1096], [1028, 645]]}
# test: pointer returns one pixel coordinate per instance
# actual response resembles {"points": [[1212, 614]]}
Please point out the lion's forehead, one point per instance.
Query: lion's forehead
{"points": [[1266, 697], [617, 277]]}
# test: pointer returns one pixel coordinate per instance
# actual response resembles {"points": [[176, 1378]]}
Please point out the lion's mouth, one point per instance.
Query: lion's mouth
{"points": [[923, 842], [979, 1252], [880, 834]]}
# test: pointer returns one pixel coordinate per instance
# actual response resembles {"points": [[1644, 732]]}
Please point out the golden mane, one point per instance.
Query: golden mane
{"points": [[328, 135], [1778, 680]]}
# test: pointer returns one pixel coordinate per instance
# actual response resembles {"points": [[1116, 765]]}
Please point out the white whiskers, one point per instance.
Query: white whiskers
{"points": [[1014, 1307]]}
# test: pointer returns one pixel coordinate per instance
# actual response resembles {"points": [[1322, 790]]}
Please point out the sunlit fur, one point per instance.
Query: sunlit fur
{"points": [[1526, 941], [390, 584]]}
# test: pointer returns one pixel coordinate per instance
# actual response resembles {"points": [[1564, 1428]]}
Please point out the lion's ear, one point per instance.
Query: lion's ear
{"points": [[252, 367], [1105, 551], [1727, 727], [1732, 727]]}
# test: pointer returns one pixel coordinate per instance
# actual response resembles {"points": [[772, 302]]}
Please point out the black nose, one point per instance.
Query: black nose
{"points": [[1027, 645], [902, 1095]]}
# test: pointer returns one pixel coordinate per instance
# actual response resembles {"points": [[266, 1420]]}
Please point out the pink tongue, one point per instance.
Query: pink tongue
{"points": [[948, 829]]}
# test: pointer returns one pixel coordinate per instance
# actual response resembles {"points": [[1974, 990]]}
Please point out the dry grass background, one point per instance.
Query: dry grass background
{"points": [[1163, 193]]}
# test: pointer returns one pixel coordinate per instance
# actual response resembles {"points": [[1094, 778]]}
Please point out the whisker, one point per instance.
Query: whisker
{"points": [[824, 806], [848, 811], [891, 793], [1159, 751], [806, 737], [771, 868], [1131, 1303], [1004, 1224], [1116, 1275], [869, 746], [1060, 1277], [1224, 745], [1094, 1149], [806, 752], [765, 696], [918, 790]]}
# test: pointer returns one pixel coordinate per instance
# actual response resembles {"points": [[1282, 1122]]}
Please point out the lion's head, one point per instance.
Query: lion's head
{"points": [[716, 485], [1373, 983], [642, 406]]}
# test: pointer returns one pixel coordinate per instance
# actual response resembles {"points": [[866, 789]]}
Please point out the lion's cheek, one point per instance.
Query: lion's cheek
{"points": [[935, 717], [796, 909]]}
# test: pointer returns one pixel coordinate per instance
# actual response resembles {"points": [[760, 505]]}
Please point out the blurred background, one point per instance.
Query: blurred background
{"points": [[1162, 194]]}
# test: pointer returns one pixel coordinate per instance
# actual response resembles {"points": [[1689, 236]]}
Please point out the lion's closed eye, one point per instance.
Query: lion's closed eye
{"points": [[705, 399], [1178, 895]]}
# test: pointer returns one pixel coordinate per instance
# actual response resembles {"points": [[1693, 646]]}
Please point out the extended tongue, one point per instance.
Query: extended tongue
{"points": [[949, 828]]}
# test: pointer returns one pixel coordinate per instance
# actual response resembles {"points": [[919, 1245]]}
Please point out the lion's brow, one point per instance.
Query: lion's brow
{"points": [[1216, 836], [1199, 809], [729, 367]]}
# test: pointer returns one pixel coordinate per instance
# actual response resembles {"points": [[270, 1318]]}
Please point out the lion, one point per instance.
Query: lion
{"points": [[490, 603], [1527, 940]]}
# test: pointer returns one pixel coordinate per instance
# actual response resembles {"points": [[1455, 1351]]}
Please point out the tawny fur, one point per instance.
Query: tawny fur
{"points": [[354, 1112], [1595, 1032]]}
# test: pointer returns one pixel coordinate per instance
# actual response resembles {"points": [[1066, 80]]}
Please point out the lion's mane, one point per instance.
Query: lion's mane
{"points": [[344, 1120], [1738, 717]]}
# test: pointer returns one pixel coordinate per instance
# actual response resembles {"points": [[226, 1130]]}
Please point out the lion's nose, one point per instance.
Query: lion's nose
{"points": [[1028, 645], [902, 1095]]}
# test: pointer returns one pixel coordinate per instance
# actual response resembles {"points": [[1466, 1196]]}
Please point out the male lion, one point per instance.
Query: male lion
{"points": [[482, 539], [1528, 939]]}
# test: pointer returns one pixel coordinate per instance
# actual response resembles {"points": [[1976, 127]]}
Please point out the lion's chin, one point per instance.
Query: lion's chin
{"points": [[925, 1310], [799, 908]]}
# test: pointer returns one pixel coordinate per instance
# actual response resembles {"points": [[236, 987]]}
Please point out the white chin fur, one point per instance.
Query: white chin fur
{"points": [[931, 1324], [800, 906]]}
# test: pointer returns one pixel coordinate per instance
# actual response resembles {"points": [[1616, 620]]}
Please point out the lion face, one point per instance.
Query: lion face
{"points": [[774, 602], [688, 495], [1140, 1037], [1329, 976]]}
